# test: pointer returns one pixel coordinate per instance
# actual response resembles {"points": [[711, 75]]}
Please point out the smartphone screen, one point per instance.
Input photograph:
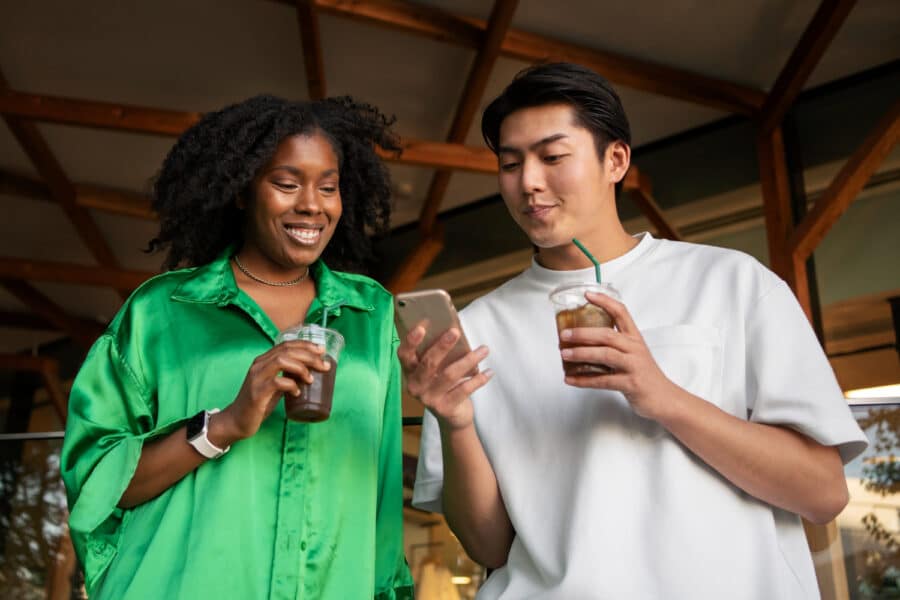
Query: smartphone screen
{"points": [[435, 310]]}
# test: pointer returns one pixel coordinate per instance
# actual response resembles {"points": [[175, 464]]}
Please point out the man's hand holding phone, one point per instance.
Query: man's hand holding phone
{"points": [[443, 386]]}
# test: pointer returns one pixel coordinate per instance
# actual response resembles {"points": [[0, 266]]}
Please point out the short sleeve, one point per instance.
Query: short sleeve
{"points": [[392, 577], [791, 383], [430, 469], [109, 418]]}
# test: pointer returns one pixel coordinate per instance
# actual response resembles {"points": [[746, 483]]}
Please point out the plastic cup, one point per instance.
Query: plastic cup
{"points": [[573, 310], [313, 404]]}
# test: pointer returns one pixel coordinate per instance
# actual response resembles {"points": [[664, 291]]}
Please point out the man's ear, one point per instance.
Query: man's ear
{"points": [[617, 160]]}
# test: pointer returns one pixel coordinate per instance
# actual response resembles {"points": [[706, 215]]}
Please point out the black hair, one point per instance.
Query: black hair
{"points": [[596, 105], [214, 162]]}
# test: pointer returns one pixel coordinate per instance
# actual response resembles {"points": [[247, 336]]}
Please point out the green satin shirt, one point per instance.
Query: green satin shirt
{"points": [[296, 511]]}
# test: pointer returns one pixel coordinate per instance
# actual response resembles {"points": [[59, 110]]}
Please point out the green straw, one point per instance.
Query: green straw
{"points": [[590, 256], [326, 309]]}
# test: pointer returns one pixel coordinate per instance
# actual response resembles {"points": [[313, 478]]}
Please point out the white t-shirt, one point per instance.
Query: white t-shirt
{"points": [[606, 504]]}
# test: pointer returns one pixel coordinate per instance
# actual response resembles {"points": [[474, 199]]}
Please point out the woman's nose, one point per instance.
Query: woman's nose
{"points": [[308, 201]]}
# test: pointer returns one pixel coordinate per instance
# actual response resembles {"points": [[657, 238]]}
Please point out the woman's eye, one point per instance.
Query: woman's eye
{"points": [[328, 189], [286, 185]]}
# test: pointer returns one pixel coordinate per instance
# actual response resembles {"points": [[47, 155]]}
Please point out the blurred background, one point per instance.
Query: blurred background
{"points": [[769, 126]]}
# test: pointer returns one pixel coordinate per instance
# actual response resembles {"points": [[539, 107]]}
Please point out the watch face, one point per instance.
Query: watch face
{"points": [[195, 424]]}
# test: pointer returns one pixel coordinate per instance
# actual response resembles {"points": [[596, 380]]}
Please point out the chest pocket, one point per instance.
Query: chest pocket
{"points": [[690, 356]]}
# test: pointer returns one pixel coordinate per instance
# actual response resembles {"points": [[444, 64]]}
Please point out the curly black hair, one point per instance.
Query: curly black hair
{"points": [[214, 162]]}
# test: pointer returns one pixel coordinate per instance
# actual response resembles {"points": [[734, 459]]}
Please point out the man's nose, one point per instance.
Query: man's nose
{"points": [[532, 176]]}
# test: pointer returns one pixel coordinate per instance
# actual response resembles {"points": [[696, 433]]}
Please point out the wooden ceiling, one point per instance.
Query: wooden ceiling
{"points": [[144, 74]]}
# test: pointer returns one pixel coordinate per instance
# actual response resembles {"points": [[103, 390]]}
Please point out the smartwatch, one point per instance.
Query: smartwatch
{"points": [[197, 428]]}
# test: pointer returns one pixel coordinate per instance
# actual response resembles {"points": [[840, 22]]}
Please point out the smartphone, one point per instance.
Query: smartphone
{"points": [[436, 308]]}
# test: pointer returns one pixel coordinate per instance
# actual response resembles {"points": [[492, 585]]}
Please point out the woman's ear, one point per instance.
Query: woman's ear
{"points": [[240, 202], [618, 159]]}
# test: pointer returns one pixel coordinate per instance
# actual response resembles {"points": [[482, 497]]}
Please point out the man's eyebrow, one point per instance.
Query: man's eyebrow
{"points": [[542, 142]]}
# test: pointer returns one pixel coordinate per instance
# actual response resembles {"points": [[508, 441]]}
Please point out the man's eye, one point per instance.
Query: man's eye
{"points": [[509, 166], [553, 158]]}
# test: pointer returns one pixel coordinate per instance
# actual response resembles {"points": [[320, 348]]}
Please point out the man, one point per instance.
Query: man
{"points": [[682, 473]]}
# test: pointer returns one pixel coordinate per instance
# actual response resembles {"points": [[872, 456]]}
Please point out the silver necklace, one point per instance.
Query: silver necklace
{"points": [[266, 281]]}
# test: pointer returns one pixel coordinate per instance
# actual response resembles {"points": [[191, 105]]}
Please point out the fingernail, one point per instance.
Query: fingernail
{"points": [[327, 365], [450, 336], [418, 333], [488, 373], [482, 350], [567, 353], [565, 334]]}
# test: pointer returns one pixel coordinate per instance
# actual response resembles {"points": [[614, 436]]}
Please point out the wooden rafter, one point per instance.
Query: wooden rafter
{"points": [[101, 115], [38, 270], [50, 374], [638, 74], [642, 194], [119, 202], [422, 256], [311, 42], [82, 331], [498, 24], [776, 193], [418, 261], [61, 189], [847, 185], [806, 55], [104, 115]]}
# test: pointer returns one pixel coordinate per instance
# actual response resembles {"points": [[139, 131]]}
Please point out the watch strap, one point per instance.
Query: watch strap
{"points": [[201, 442]]}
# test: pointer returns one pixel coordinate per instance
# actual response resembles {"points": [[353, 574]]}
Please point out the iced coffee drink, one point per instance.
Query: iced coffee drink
{"points": [[573, 310], [313, 404]]}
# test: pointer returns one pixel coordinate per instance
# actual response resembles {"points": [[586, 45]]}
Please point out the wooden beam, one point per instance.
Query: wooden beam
{"points": [[642, 195], [12, 184], [120, 202], [498, 24], [442, 155], [50, 375], [774, 181], [100, 115], [637, 74], [847, 185], [82, 331], [776, 193], [103, 115], [417, 263], [806, 55], [38, 270], [61, 189], [311, 42]]}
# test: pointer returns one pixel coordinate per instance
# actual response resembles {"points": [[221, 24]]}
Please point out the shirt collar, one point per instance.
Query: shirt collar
{"points": [[213, 283]]}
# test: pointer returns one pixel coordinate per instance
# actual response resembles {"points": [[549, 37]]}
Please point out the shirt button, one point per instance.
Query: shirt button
{"points": [[303, 546]]}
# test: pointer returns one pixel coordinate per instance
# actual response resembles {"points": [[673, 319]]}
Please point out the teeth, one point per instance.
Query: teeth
{"points": [[304, 235]]}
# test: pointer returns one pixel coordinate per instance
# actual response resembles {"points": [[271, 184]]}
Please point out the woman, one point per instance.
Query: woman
{"points": [[252, 505]]}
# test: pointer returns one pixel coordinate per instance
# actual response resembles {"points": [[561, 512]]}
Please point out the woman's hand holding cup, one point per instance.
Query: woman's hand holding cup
{"points": [[272, 374]]}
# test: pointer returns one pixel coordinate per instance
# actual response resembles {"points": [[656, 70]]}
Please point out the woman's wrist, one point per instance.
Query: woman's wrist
{"points": [[222, 429]]}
